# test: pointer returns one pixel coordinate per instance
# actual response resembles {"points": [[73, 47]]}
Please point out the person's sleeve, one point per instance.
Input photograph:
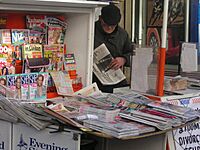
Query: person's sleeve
{"points": [[127, 50]]}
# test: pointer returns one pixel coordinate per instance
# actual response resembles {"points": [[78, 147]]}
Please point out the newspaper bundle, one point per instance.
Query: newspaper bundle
{"points": [[102, 59]]}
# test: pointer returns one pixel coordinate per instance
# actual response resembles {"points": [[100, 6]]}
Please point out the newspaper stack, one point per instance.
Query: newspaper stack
{"points": [[186, 114], [103, 113], [155, 113], [118, 129], [16, 112]]}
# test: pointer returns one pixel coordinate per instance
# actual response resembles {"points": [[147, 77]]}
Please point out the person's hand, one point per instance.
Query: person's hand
{"points": [[117, 63]]}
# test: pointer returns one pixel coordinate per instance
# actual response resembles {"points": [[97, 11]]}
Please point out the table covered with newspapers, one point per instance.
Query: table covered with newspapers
{"points": [[115, 117]]}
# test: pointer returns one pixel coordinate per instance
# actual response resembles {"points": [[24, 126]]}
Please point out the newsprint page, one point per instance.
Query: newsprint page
{"points": [[101, 61]]}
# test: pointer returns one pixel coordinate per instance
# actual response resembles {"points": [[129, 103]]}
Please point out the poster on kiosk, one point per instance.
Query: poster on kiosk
{"points": [[28, 138], [5, 135]]}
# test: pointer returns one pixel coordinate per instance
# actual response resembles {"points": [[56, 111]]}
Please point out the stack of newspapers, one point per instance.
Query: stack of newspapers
{"points": [[29, 114], [155, 113], [138, 108], [118, 129]]}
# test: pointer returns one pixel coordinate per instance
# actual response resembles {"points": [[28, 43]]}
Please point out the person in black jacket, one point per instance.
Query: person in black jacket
{"points": [[117, 41]]}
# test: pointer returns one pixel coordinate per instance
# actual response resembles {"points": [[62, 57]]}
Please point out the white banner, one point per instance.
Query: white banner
{"points": [[27, 138]]}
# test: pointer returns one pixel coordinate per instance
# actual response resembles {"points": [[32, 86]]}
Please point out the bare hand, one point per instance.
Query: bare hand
{"points": [[117, 63]]}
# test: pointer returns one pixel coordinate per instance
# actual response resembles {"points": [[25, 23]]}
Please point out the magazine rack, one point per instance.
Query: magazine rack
{"points": [[80, 30]]}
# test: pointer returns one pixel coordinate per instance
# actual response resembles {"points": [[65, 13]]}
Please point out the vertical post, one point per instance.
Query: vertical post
{"points": [[140, 21], [198, 44], [133, 21], [187, 3], [162, 51]]}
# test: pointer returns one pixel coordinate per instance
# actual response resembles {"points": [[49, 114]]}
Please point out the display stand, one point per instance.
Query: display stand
{"points": [[80, 31]]}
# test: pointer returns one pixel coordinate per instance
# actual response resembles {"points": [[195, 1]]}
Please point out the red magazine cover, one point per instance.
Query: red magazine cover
{"points": [[38, 28]]}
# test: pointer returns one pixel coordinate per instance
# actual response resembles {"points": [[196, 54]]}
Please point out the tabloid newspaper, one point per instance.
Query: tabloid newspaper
{"points": [[102, 59]]}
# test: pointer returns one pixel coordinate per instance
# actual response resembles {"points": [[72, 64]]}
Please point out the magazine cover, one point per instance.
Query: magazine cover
{"points": [[3, 82], [20, 36], [32, 85], [17, 53], [62, 82], [56, 30], [6, 58], [55, 35], [24, 86], [32, 51], [69, 62], [55, 53], [38, 28], [14, 84], [42, 81], [5, 36]]}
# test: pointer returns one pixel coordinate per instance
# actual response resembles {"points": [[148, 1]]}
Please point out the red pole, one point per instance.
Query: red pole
{"points": [[161, 71]]}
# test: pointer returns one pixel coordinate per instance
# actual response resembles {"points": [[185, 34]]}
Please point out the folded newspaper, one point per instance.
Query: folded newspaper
{"points": [[101, 61]]}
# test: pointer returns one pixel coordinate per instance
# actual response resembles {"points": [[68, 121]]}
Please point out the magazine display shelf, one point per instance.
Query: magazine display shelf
{"points": [[80, 31]]}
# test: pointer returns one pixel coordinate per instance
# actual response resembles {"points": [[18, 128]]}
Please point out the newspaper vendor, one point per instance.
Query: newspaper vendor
{"points": [[117, 41]]}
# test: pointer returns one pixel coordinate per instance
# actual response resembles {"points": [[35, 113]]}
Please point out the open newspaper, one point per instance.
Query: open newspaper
{"points": [[102, 59]]}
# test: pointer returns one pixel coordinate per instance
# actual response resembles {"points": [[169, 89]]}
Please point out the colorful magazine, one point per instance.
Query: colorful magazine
{"points": [[14, 84], [3, 82], [20, 36], [55, 35], [56, 30], [42, 81], [32, 85], [6, 58], [38, 28], [62, 82], [69, 62], [55, 53], [32, 51], [5, 36], [25, 86]]}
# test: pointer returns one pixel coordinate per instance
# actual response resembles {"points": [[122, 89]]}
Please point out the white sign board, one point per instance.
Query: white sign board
{"points": [[5, 135], [188, 137], [28, 138]]}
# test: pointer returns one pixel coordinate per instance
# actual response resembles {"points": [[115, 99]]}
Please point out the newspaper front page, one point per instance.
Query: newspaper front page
{"points": [[102, 59]]}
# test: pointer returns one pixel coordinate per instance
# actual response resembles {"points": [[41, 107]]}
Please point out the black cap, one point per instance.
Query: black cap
{"points": [[111, 14]]}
